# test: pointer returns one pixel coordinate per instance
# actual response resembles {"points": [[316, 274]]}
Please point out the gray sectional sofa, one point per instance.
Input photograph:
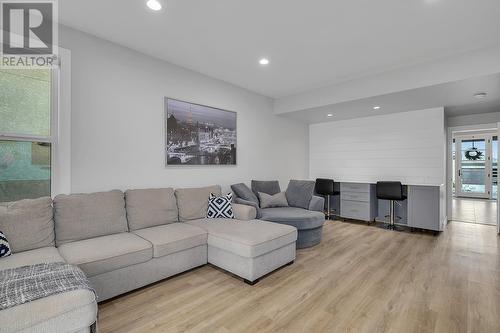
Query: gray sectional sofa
{"points": [[123, 241], [303, 210], [29, 227]]}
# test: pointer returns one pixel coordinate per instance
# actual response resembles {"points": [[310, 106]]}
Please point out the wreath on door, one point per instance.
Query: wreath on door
{"points": [[473, 154]]}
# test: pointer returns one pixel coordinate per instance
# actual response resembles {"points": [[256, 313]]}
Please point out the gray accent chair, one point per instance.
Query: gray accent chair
{"points": [[245, 196], [305, 210]]}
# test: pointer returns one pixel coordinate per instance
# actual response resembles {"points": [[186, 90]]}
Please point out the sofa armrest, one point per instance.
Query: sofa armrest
{"points": [[244, 212], [249, 203], [317, 204]]}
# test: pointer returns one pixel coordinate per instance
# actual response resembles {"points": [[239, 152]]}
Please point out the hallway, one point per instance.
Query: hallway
{"points": [[479, 211]]}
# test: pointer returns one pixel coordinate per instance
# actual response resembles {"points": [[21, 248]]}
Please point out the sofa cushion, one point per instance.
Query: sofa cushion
{"points": [[31, 257], [172, 238], [83, 216], [297, 217], [270, 187], [193, 202], [276, 200], [27, 224], [248, 239], [299, 193], [244, 212], [72, 311], [107, 253], [150, 207], [242, 191]]}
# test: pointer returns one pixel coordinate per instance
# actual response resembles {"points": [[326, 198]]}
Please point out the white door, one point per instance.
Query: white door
{"points": [[496, 153], [473, 166]]}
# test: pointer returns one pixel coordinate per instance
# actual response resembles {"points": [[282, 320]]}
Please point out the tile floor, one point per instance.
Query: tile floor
{"points": [[478, 211]]}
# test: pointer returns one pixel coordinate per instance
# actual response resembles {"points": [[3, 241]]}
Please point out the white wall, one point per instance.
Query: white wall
{"points": [[473, 119], [117, 122], [406, 146], [475, 63]]}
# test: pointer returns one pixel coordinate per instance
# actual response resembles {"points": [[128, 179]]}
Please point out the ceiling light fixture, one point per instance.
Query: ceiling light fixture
{"points": [[154, 5], [264, 61], [480, 95], [329, 115], [376, 107]]}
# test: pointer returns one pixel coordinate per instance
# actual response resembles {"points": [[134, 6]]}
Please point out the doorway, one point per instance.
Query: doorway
{"points": [[475, 181], [476, 166]]}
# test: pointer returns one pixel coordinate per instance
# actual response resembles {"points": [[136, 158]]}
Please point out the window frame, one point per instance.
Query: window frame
{"points": [[456, 141]]}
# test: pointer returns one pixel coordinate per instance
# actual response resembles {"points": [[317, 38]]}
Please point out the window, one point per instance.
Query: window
{"points": [[26, 135]]}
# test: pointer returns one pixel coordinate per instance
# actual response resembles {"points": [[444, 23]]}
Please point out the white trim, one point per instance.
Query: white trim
{"points": [[498, 196], [61, 157], [449, 156], [487, 165], [24, 137]]}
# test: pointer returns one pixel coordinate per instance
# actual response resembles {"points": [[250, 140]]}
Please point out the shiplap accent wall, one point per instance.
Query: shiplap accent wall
{"points": [[406, 146]]}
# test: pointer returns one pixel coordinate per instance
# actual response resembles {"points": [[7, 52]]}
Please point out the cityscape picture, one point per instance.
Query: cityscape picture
{"points": [[199, 135]]}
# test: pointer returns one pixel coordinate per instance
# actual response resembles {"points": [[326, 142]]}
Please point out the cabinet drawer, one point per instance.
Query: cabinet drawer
{"points": [[355, 196], [354, 187], [355, 210]]}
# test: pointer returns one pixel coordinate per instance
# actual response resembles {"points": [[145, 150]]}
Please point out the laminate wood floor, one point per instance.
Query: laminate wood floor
{"points": [[359, 279], [475, 211]]}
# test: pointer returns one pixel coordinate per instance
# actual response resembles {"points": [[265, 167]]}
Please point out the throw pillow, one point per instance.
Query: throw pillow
{"points": [[4, 246], [220, 207], [242, 191], [266, 186], [299, 193], [269, 201]]}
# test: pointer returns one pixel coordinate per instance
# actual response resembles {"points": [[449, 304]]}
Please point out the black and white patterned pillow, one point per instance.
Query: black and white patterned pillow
{"points": [[220, 207], [4, 246]]}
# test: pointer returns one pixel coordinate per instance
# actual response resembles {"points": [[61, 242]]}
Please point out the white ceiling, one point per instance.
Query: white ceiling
{"points": [[310, 43], [456, 97]]}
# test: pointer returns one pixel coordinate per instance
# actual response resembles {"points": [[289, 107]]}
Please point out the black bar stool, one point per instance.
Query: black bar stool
{"points": [[326, 187], [392, 191]]}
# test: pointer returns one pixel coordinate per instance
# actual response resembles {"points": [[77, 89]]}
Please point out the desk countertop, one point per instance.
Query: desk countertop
{"points": [[404, 183]]}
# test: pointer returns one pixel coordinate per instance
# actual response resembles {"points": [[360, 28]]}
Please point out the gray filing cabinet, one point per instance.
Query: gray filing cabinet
{"points": [[358, 201]]}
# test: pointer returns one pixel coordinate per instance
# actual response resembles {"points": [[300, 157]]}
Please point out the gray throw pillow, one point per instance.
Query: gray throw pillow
{"points": [[242, 191], [299, 193], [276, 200], [269, 187]]}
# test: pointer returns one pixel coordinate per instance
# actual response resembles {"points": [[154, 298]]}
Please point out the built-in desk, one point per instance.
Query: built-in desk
{"points": [[358, 201], [424, 207]]}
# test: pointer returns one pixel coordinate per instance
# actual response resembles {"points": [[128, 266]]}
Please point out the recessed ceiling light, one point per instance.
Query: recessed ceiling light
{"points": [[480, 95], [154, 5], [264, 61], [376, 107], [329, 115]]}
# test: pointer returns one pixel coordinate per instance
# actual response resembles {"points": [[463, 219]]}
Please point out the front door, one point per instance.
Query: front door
{"points": [[474, 166]]}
